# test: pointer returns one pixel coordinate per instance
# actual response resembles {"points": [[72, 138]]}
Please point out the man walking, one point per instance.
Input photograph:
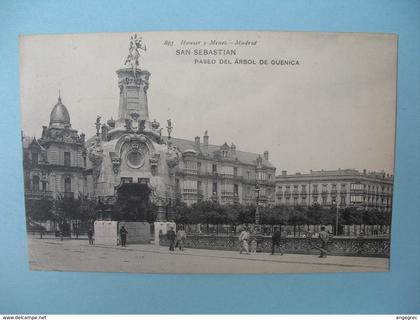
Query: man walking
{"points": [[276, 241], [171, 237], [323, 235], [243, 241], [123, 236], [90, 235], [181, 236]]}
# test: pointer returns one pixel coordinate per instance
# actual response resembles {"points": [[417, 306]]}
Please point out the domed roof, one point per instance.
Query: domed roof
{"points": [[59, 115]]}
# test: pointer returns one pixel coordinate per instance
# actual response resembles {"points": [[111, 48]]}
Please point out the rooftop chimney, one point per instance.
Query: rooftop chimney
{"points": [[233, 149], [197, 141], [205, 140], [266, 155], [364, 171], [284, 173]]}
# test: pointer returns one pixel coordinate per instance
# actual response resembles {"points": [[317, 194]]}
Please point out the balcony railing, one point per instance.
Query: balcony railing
{"points": [[68, 195], [190, 171], [38, 194]]}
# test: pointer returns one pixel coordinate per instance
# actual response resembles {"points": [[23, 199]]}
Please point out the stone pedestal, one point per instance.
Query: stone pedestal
{"points": [[107, 232], [161, 228]]}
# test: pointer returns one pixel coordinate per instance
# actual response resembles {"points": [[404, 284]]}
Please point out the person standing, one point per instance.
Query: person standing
{"points": [[90, 235], [123, 236], [253, 239], [276, 241], [323, 235], [181, 236], [243, 241], [171, 237]]}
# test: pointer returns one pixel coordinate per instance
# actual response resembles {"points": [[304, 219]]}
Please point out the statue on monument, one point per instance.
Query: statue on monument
{"points": [[136, 44]]}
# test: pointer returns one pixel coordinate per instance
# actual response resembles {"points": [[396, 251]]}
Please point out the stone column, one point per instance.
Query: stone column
{"points": [[133, 86]]}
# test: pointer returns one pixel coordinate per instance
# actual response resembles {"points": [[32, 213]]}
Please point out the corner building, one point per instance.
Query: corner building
{"points": [[345, 188]]}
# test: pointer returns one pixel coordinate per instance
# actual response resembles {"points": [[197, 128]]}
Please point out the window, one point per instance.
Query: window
{"points": [[126, 180], [67, 184], [67, 159], [269, 177], [35, 183], [199, 166], [214, 168], [44, 186], [324, 188], [324, 201], [214, 187], [334, 186], [235, 189], [356, 198], [343, 200], [84, 161], [199, 186], [248, 175], [34, 158], [235, 172], [356, 186]]}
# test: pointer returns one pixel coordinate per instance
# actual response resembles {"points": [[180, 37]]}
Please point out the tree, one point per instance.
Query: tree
{"points": [[39, 210]]}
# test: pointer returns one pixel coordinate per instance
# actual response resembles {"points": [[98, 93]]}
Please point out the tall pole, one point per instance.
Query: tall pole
{"points": [[336, 220], [257, 212]]}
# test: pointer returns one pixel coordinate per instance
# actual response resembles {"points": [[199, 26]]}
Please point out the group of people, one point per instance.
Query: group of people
{"points": [[176, 240], [246, 240]]}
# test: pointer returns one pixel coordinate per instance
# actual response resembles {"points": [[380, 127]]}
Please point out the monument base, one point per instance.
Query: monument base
{"points": [[161, 228], [107, 232]]}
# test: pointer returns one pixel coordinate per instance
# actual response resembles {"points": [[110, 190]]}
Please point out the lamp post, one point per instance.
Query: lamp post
{"points": [[257, 199], [336, 217]]}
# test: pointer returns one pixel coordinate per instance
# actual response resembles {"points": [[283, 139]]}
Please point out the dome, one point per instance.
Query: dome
{"points": [[59, 115]]}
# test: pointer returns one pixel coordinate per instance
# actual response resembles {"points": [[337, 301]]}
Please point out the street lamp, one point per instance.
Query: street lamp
{"points": [[257, 199], [334, 203]]}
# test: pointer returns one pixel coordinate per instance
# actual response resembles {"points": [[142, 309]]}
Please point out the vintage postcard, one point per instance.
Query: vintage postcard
{"points": [[208, 152]]}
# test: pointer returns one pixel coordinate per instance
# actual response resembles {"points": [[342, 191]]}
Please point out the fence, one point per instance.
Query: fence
{"points": [[345, 246]]}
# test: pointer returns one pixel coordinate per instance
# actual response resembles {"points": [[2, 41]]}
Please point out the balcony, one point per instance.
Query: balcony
{"points": [[192, 194], [193, 172], [38, 194], [68, 195]]}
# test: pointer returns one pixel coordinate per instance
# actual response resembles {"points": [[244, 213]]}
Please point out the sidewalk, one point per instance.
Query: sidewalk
{"points": [[68, 255]]}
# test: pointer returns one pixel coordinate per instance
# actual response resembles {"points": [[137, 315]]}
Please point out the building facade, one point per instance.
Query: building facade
{"points": [[345, 188], [54, 165]]}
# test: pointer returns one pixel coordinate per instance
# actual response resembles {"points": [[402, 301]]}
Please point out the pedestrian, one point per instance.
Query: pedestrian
{"points": [[243, 241], [123, 236], [90, 235], [181, 236], [171, 237], [253, 239], [276, 241], [323, 235]]}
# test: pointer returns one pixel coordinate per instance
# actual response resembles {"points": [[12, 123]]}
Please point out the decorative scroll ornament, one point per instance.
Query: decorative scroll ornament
{"points": [[133, 124]]}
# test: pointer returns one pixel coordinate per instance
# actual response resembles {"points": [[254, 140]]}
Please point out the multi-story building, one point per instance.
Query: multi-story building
{"points": [[54, 164], [222, 173], [345, 188]]}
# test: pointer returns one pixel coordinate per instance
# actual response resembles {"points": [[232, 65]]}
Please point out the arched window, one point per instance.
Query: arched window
{"points": [[67, 184], [35, 183]]}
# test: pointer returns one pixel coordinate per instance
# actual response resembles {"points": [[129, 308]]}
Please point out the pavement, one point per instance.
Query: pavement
{"points": [[77, 255]]}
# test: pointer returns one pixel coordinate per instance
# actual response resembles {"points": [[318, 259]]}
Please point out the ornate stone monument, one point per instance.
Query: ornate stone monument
{"points": [[132, 166]]}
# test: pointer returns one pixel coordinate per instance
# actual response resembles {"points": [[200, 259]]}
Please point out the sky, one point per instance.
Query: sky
{"points": [[335, 109]]}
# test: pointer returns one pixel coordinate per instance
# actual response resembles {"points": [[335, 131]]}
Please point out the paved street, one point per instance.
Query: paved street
{"points": [[78, 255]]}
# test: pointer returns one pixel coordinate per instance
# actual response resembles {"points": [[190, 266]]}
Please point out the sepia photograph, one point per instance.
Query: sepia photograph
{"points": [[208, 152]]}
